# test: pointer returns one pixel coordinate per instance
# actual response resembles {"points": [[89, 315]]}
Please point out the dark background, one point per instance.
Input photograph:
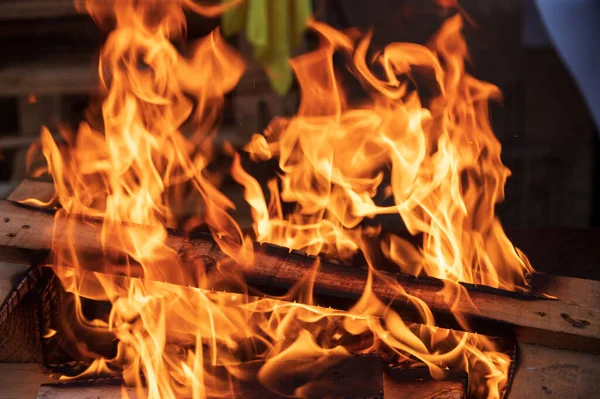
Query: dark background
{"points": [[549, 140], [547, 134]]}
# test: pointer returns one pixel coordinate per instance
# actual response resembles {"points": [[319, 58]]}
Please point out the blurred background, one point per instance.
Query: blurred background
{"points": [[549, 140]]}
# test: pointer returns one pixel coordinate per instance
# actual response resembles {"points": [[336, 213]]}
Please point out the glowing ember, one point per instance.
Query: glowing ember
{"points": [[433, 157]]}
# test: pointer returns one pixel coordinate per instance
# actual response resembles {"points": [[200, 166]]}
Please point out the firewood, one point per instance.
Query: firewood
{"points": [[352, 377], [417, 383], [529, 317], [541, 372], [337, 382], [54, 315], [538, 365]]}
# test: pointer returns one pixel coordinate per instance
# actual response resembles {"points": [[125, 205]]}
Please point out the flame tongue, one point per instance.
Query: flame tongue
{"points": [[443, 161], [422, 142]]}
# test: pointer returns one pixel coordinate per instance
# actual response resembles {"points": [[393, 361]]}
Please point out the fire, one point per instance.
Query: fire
{"points": [[445, 172], [420, 147]]}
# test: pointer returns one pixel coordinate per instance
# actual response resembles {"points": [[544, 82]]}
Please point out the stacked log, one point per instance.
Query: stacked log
{"points": [[556, 312]]}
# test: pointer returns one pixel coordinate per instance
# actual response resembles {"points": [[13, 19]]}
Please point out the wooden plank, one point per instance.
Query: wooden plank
{"points": [[354, 377], [57, 74], [569, 289], [57, 302], [350, 377], [40, 190], [13, 266], [35, 9], [418, 384], [542, 372], [24, 228], [10, 142], [530, 318], [85, 392], [21, 380], [570, 243], [555, 373]]}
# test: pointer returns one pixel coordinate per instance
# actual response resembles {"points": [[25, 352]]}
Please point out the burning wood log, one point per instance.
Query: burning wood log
{"points": [[408, 384], [532, 318], [418, 383], [547, 371], [529, 316], [353, 377]]}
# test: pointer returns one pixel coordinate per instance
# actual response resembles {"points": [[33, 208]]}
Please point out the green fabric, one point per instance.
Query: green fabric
{"points": [[274, 28]]}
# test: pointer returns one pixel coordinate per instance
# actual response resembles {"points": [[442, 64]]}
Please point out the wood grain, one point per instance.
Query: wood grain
{"points": [[350, 377], [21, 380], [542, 372], [353, 377], [40, 190], [555, 373], [569, 289], [531, 318], [82, 392], [64, 74], [418, 384], [14, 263], [35, 9]]}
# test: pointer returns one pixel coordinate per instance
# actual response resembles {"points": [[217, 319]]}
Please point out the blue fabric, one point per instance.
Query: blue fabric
{"points": [[574, 27], [535, 33]]}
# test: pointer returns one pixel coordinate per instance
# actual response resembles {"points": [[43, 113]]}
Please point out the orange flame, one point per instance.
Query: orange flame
{"points": [[445, 172], [422, 140]]}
